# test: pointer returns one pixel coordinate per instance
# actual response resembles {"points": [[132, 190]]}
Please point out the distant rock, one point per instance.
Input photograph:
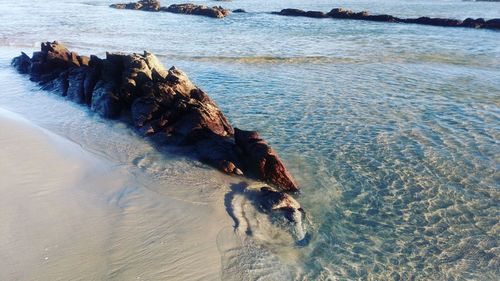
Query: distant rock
{"points": [[493, 24], [341, 13], [301, 13], [143, 5], [156, 101], [239, 11], [190, 9]]}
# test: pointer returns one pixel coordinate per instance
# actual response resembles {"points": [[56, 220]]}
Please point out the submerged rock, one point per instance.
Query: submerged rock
{"points": [[281, 209], [188, 8], [341, 13], [275, 200], [137, 88]]}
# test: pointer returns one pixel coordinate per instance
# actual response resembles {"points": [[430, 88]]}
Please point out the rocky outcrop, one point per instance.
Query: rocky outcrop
{"points": [[340, 13], [156, 101], [301, 13], [262, 160], [143, 5], [190, 9]]}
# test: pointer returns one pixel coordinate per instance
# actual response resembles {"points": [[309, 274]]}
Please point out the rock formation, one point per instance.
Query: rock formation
{"points": [[190, 9], [263, 160], [340, 13], [143, 5], [156, 101]]}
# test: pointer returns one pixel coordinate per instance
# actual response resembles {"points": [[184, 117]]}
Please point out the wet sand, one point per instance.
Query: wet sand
{"points": [[68, 214]]}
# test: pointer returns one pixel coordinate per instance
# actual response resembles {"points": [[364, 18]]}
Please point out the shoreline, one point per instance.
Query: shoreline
{"points": [[69, 213]]}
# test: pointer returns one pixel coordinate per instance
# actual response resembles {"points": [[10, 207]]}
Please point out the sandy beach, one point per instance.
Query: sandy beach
{"points": [[70, 215]]}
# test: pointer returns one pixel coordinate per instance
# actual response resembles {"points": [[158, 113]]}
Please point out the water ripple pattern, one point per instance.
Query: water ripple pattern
{"points": [[392, 130]]}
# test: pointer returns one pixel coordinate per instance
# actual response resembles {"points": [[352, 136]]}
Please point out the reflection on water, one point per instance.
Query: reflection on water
{"points": [[392, 130]]}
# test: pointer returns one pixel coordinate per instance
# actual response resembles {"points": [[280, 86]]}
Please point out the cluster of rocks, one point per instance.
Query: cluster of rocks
{"points": [[190, 9], [340, 13], [160, 102], [143, 5]]}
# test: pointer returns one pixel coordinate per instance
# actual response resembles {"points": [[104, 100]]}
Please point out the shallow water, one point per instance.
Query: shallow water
{"points": [[392, 130]]}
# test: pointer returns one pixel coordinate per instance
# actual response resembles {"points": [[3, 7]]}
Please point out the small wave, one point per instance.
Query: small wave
{"points": [[263, 59], [18, 45]]}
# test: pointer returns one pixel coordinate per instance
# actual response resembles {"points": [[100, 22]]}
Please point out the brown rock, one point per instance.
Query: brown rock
{"points": [[158, 102], [201, 10], [341, 13], [263, 160], [301, 13]]}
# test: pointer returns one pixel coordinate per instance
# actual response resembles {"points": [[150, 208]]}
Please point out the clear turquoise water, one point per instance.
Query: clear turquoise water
{"points": [[392, 130]]}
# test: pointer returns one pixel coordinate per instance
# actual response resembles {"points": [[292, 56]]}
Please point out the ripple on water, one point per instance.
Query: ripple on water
{"points": [[392, 130]]}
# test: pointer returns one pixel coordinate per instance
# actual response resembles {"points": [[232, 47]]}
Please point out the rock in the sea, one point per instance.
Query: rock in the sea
{"points": [[143, 5], [434, 21], [139, 90], [239, 11], [22, 63], [278, 202], [188, 8], [301, 13], [221, 153], [275, 200], [263, 161], [492, 24], [201, 10], [341, 13]]}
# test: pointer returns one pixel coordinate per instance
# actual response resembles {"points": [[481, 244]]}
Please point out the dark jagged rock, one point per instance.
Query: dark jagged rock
{"points": [[341, 13], [434, 21], [22, 63], [301, 13], [473, 23], [192, 9], [263, 161], [221, 153], [143, 5], [493, 24], [188, 8], [239, 11], [137, 88]]}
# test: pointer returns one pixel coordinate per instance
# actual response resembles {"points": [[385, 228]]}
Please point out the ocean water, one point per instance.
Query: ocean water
{"points": [[391, 130]]}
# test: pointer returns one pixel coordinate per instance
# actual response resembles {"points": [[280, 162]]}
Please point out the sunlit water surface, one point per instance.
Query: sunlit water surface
{"points": [[392, 130]]}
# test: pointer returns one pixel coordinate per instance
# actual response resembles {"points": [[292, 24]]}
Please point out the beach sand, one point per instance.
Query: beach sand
{"points": [[68, 214]]}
